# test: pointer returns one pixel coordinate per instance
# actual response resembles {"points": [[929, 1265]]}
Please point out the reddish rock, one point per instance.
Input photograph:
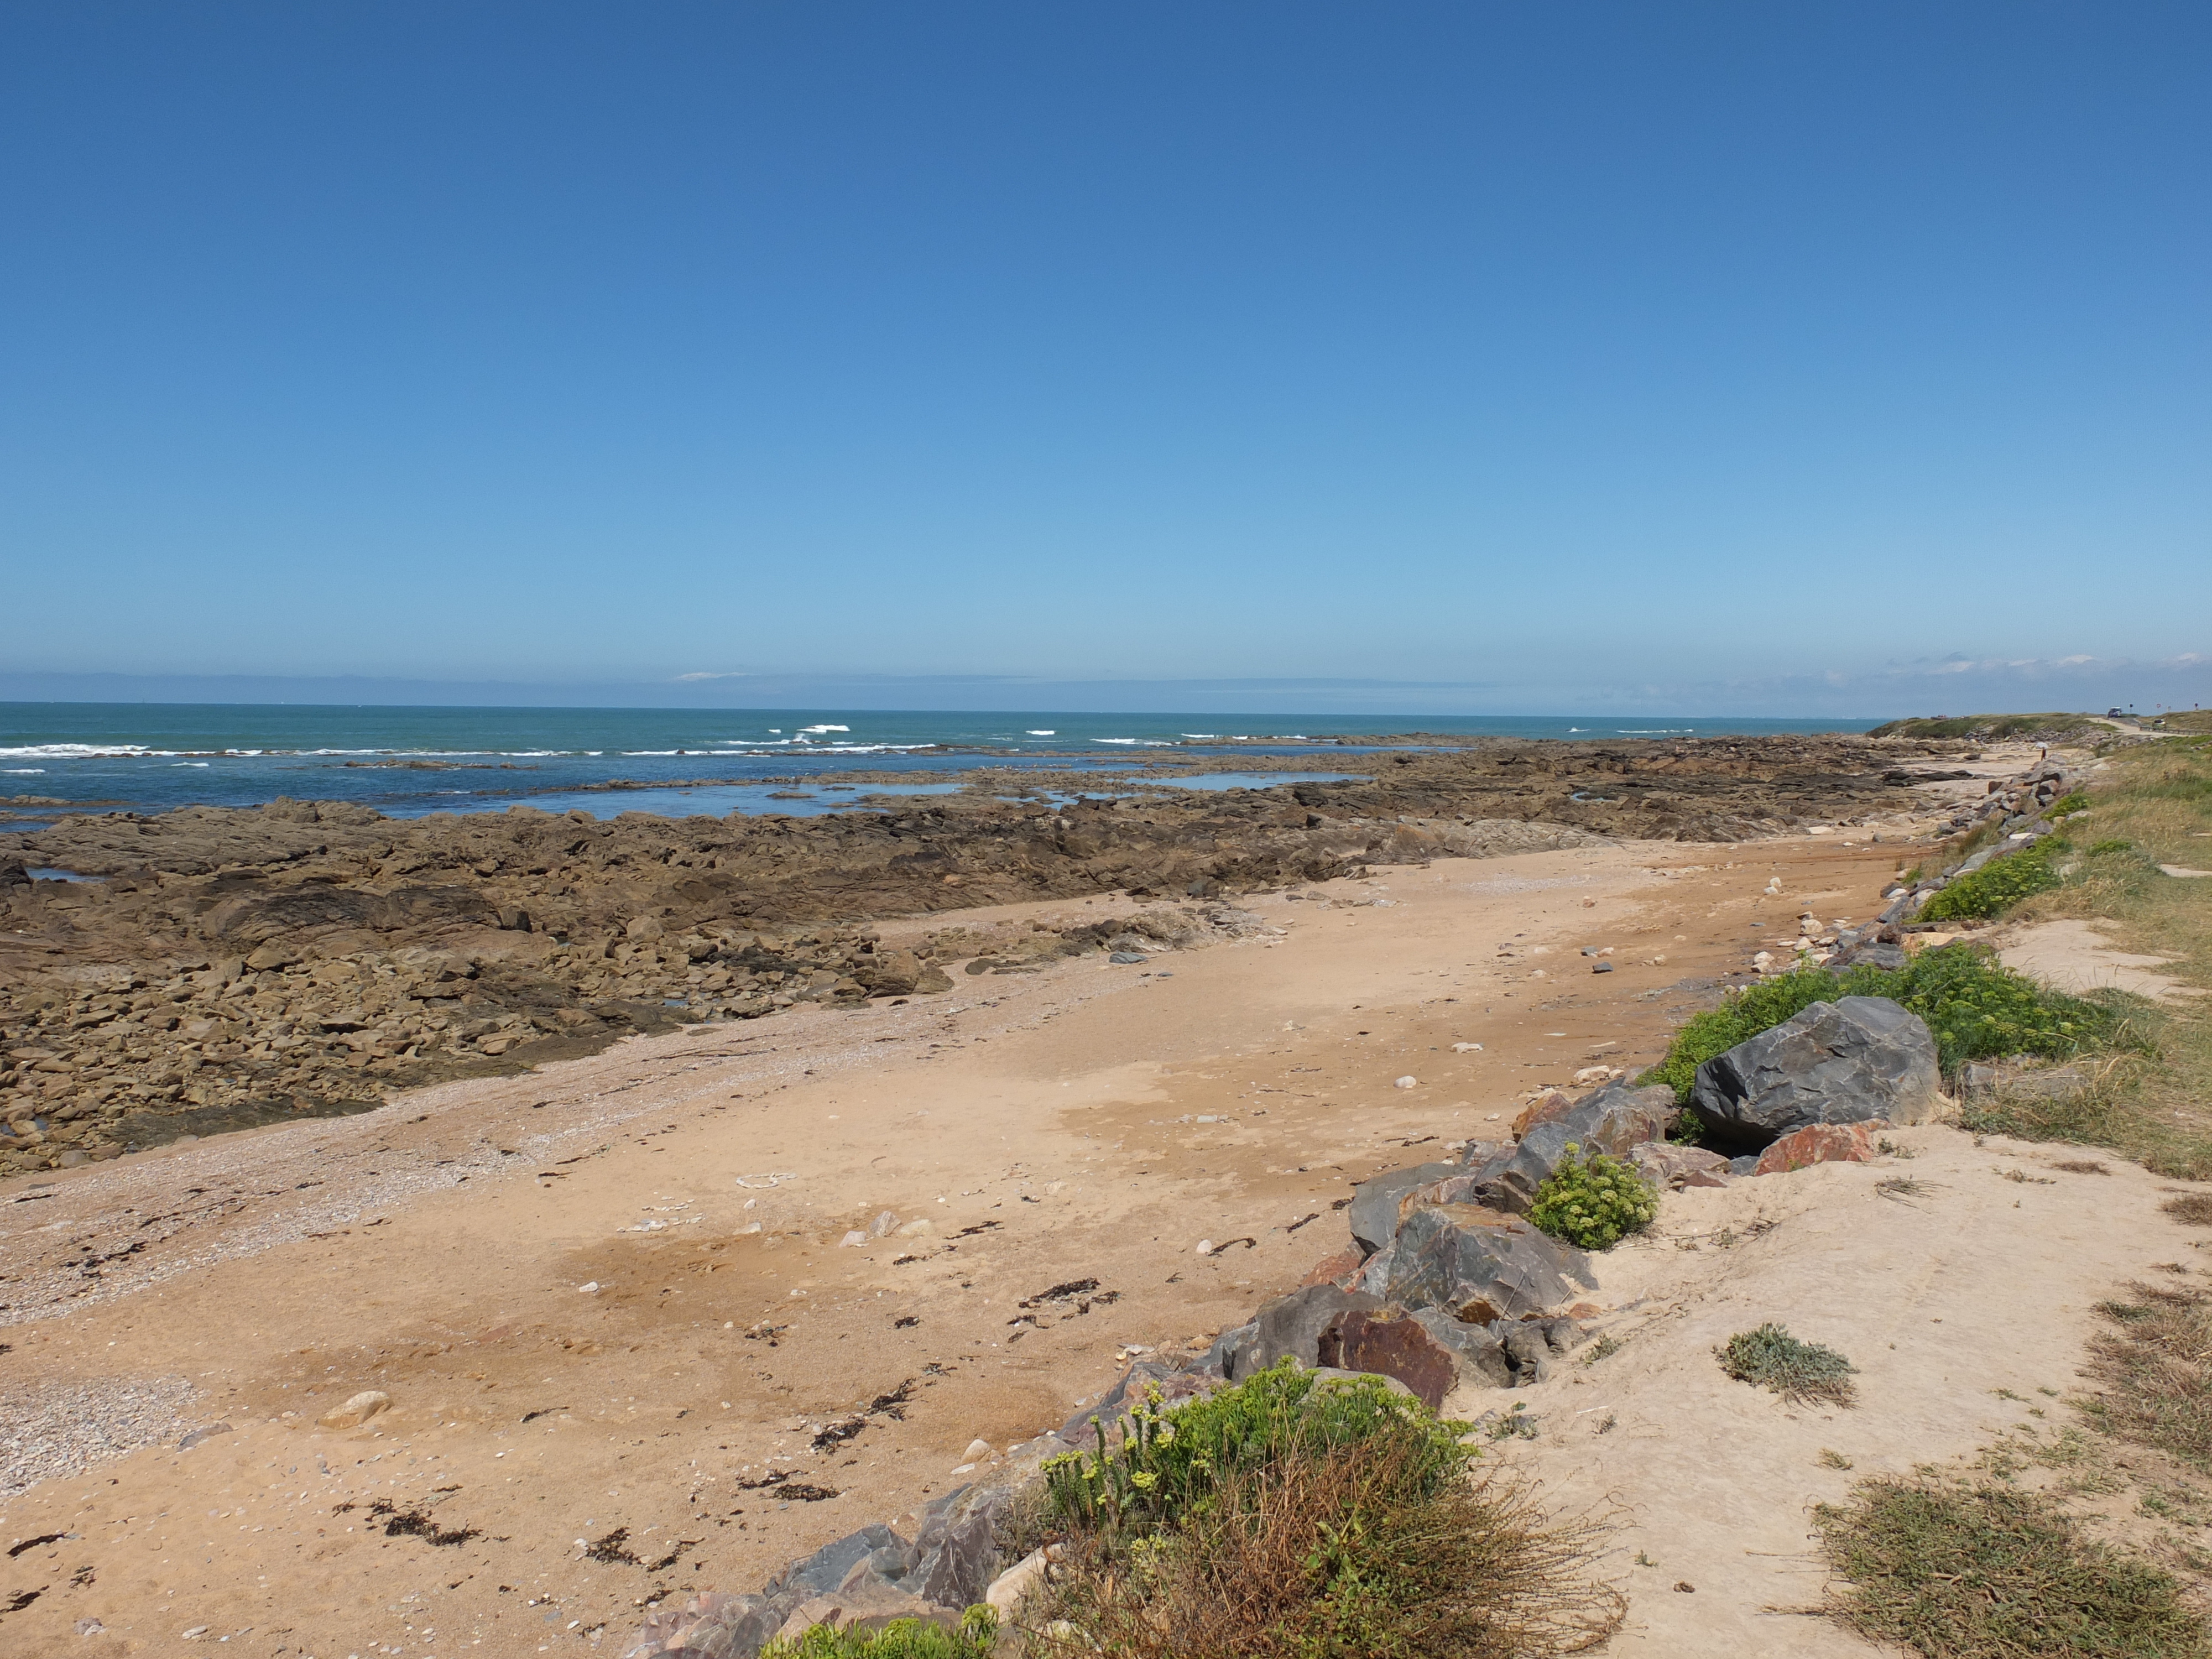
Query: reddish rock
{"points": [[1391, 1344], [1341, 1269], [1547, 1108], [1820, 1143]]}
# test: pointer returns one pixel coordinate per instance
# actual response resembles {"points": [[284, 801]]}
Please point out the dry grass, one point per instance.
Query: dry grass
{"points": [[2190, 1209], [2153, 1105], [2154, 1369], [1330, 1557], [1984, 1571]]}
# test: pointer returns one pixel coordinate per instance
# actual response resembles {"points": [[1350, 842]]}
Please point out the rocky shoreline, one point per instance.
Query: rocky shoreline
{"points": [[214, 968]]}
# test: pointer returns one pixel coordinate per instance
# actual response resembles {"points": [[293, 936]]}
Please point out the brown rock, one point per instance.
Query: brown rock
{"points": [[1548, 1107], [1341, 1270], [1390, 1343], [1820, 1143]]}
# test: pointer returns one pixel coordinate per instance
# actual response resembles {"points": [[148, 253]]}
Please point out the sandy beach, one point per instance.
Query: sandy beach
{"points": [[609, 1301]]}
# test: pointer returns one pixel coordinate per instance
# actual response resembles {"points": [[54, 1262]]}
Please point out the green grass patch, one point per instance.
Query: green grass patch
{"points": [[1988, 1572], [1999, 884], [903, 1638], [1974, 1007], [2153, 806], [1593, 1201], [1770, 1358]]}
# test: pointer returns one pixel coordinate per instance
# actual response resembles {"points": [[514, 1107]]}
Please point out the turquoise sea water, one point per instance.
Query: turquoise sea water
{"points": [[150, 757]]}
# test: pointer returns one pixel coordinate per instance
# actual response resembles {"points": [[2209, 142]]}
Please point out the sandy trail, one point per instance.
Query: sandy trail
{"points": [[1047, 1127]]}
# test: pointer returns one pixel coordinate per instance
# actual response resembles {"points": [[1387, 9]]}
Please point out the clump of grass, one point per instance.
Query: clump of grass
{"points": [[2155, 1366], [903, 1638], [1333, 1557], [1592, 1200], [2190, 1209], [1164, 1464], [1771, 1358], [1999, 884], [1988, 1572], [1290, 1516], [1974, 1006]]}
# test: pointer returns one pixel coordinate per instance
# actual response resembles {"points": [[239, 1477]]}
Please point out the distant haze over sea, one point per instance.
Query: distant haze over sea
{"points": [[406, 760]]}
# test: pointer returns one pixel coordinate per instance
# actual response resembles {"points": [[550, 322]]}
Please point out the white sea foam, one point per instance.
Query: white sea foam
{"points": [[1140, 743], [81, 751], [1040, 734], [24, 772], [825, 728]]}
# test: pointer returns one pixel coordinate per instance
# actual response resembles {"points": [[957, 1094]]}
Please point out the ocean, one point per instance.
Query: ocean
{"points": [[57, 757]]}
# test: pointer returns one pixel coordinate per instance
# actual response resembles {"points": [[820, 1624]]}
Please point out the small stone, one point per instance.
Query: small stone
{"points": [[198, 1435], [978, 1451], [195, 1633], [356, 1410], [1405, 1082], [1467, 1047], [1205, 1247], [853, 1241], [591, 1289], [883, 1226], [1601, 968]]}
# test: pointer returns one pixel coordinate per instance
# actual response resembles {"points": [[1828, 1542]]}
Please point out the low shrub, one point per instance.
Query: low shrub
{"points": [[1166, 1465], [903, 1638], [1975, 1008], [1988, 1571], [1999, 884], [1771, 1358], [1315, 1554], [2066, 804], [1593, 1201]]}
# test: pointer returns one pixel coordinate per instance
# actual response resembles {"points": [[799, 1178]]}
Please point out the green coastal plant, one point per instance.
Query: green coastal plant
{"points": [[1168, 1463], [1999, 884], [1988, 1571], [1974, 1006], [1771, 1358], [903, 1638], [1592, 1200], [1311, 1517]]}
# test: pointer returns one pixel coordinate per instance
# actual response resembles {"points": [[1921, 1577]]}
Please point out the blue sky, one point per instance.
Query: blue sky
{"points": [[1846, 358]]}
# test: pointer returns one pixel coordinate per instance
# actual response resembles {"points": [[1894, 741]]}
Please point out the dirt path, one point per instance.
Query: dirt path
{"points": [[1086, 1122]]}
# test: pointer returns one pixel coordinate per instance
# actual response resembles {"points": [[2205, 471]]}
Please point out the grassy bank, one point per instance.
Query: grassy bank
{"points": [[2150, 806], [2149, 1065]]}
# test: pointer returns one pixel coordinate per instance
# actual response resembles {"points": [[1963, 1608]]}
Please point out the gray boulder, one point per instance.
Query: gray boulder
{"points": [[1478, 1264], [1846, 1062], [1611, 1120], [1375, 1202], [875, 1546], [956, 1552], [1291, 1325], [710, 1625]]}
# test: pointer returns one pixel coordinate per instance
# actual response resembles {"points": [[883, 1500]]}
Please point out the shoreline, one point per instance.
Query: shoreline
{"points": [[244, 965]]}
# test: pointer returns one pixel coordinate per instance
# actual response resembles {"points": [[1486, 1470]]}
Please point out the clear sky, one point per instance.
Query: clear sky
{"points": [[1842, 357]]}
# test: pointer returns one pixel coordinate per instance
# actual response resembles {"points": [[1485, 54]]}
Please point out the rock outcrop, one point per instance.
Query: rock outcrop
{"points": [[1847, 1061]]}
